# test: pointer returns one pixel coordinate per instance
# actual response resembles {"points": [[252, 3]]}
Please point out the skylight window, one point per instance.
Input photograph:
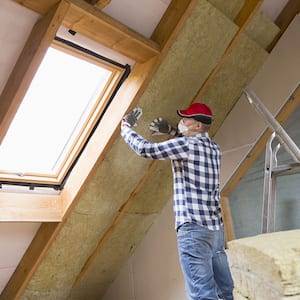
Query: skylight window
{"points": [[65, 99]]}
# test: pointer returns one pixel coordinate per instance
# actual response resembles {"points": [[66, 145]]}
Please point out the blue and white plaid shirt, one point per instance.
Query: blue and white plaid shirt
{"points": [[196, 166]]}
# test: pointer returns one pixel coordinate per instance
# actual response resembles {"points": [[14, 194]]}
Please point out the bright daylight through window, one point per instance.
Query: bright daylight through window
{"points": [[65, 99]]}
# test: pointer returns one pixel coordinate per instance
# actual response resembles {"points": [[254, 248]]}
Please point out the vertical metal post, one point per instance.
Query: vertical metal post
{"points": [[269, 195], [272, 202], [267, 183]]}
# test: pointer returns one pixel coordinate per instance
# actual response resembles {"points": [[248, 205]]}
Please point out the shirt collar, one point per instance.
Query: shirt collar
{"points": [[203, 134]]}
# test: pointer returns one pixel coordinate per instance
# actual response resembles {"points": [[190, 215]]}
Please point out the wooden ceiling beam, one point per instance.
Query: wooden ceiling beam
{"points": [[172, 19], [284, 19], [29, 207], [100, 4], [247, 12], [94, 24], [41, 7]]}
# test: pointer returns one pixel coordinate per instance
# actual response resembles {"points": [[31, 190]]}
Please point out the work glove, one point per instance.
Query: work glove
{"points": [[161, 126], [132, 118]]}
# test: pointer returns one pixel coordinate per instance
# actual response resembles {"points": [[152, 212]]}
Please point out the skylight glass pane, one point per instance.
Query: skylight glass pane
{"points": [[61, 95]]}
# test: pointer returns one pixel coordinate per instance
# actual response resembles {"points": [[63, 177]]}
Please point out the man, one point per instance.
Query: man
{"points": [[195, 160]]}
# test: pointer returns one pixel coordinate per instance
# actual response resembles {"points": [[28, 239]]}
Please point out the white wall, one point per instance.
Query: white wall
{"points": [[153, 272]]}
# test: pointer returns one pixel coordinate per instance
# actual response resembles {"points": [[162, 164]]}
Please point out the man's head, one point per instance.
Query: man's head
{"points": [[196, 118]]}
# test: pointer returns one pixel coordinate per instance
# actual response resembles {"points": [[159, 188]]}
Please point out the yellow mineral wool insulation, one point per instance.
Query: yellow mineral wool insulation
{"points": [[267, 266]]}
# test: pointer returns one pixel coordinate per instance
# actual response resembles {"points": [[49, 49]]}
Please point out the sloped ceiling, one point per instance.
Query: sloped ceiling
{"points": [[207, 52]]}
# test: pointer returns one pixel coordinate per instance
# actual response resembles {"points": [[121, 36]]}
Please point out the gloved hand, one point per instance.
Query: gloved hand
{"points": [[131, 118], [161, 126]]}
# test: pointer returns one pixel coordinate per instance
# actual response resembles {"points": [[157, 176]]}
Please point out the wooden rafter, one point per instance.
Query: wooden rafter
{"points": [[170, 20], [227, 218], [247, 12], [100, 4], [94, 24], [284, 19], [41, 7], [29, 207]]}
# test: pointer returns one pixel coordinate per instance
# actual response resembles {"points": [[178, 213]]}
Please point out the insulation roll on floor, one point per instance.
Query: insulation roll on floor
{"points": [[266, 266]]}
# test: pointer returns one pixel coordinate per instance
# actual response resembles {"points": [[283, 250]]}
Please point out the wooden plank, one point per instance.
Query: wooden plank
{"points": [[94, 24], [172, 18], [260, 146], [227, 219], [41, 7], [107, 131], [291, 9], [247, 12], [242, 20], [29, 207], [33, 52], [284, 19], [100, 4]]}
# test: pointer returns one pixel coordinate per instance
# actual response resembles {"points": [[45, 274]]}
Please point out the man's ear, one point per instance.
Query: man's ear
{"points": [[199, 125]]}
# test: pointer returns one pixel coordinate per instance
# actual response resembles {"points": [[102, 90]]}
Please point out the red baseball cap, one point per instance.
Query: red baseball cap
{"points": [[198, 111]]}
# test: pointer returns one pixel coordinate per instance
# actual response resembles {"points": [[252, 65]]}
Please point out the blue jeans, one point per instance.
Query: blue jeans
{"points": [[204, 262]]}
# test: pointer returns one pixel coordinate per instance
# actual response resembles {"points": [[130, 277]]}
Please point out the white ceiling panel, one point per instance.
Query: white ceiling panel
{"points": [[146, 16]]}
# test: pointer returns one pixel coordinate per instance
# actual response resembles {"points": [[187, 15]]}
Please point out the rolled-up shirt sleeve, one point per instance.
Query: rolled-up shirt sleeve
{"points": [[177, 148]]}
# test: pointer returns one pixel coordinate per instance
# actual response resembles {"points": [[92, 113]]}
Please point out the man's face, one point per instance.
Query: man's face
{"points": [[188, 126], [189, 122]]}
